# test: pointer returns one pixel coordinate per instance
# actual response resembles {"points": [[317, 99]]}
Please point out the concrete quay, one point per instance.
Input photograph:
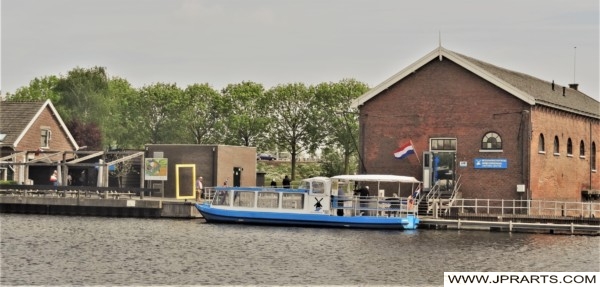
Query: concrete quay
{"points": [[132, 206]]}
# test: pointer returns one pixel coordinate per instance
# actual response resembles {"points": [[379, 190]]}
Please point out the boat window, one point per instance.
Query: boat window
{"points": [[221, 198], [318, 187], [293, 201], [304, 185], [268, 200], [243, 198]]}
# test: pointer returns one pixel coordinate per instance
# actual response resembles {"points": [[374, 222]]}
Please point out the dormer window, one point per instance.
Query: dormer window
{"points": [[45, 138]]}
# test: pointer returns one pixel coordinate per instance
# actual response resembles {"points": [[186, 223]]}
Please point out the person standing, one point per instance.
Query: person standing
{"points": [[273, 183], [199, 189], [54, 179], [286, 182]]}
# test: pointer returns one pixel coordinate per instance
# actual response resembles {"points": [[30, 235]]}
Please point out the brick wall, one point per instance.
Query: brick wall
{"points": [[442, 99], [562, 176]]}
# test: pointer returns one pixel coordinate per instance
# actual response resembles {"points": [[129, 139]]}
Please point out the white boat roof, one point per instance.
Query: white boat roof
{"points": [[377, 178]]}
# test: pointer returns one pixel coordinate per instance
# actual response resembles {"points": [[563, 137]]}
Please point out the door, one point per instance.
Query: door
{"points": [[237, 176]]}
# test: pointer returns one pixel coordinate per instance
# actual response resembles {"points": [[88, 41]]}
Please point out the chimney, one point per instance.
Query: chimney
{"points": [[553, 85], [574, 86], [564, 90]]}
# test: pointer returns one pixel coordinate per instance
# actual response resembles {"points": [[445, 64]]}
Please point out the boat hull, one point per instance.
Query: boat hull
{"points": [[221, 215]]}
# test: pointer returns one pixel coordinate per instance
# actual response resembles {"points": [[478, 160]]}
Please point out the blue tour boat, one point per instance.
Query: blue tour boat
{"points": [[320, 202]]}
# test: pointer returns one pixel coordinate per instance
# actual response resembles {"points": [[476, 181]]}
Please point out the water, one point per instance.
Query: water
{"points": [[60, 250]]}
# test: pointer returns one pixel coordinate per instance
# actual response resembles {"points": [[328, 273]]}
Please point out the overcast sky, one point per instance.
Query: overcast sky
{"points": [[279, 42]]}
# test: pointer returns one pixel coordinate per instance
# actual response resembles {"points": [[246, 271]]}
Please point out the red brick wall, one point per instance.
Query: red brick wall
{"points": [[562, 177], [59, 140], [442, 99]]}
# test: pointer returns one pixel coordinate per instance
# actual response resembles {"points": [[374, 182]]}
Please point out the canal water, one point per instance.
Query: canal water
{"points": [[60, 250]]}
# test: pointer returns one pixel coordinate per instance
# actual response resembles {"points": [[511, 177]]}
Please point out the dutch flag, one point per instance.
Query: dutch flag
{"points": [[404, 150]]}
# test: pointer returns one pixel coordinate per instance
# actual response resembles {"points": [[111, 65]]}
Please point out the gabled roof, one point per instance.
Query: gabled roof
{"points": [[527, 88], [16, 118]]}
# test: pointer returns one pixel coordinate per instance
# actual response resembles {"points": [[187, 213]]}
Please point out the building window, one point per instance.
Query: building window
{"points": [[569, 147], [541, 144], [45, 138], [443, 144], [593, 156], [556, 146], [581, 149], [491, 141]]}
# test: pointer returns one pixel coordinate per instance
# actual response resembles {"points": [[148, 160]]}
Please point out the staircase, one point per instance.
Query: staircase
{"points": [[439, 196]]}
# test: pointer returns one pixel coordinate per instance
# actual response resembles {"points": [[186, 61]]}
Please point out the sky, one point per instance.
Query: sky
{"points": [[276, 42]]}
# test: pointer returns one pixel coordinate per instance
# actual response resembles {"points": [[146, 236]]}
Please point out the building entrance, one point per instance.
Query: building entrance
{"points": [[439, 164]]}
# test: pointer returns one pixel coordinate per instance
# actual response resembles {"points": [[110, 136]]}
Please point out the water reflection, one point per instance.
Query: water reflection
{"points": [[56, 250]]}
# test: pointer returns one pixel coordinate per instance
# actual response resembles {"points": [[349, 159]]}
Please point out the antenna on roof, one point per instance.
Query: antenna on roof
{"points": [[440, 44], [574, 63], [574, 85]]}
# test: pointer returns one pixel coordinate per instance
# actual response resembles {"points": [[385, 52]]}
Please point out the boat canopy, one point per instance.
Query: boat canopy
{"points": [[377, 178]]}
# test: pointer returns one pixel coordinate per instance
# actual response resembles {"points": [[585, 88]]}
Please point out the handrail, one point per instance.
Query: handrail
{"points": [[527, 207]]}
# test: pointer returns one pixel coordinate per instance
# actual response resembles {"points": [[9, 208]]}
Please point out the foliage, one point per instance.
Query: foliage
{"points": [[108, 113], [247, 123], [39, 89], [86, 134], [121, 114], [204, 114], [296, 119], [159, 106]]}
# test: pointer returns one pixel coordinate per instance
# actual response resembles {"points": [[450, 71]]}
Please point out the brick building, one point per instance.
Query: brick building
{"points": [[32, 133], [496, 133]]}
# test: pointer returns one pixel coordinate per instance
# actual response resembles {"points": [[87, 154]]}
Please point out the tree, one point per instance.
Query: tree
{"points": [[86, 134], [296, 119], [204, 114], [83, 94], [160, 106], [123, 116], [247, 122], [39, 89], [342, 122]]}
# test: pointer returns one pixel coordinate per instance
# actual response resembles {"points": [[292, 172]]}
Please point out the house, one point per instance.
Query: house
{"points": [[492, 132], [34, 139]]}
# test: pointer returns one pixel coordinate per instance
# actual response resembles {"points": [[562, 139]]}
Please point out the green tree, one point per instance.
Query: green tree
{"points": [[83, 94], [342, 120], [247, 123], [39, 89], [160, 106], [296, 119], [204, 114], [123, 115]]}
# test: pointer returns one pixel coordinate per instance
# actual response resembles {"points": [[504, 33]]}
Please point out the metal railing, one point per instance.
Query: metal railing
{"points": [[526, 207]]}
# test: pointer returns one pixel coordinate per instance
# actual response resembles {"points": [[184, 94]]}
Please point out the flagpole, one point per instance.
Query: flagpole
{"points": [[416, 153]]}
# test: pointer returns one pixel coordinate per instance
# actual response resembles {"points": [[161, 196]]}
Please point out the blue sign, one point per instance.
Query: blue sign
{"points": [[491, 163]]}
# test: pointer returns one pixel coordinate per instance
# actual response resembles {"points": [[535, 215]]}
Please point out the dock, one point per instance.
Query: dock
{"points": [[116, 206], [546, 226]]}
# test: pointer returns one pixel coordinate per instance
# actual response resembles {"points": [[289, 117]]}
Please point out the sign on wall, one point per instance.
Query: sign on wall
{"points": [[156, 168], [491, 163]]}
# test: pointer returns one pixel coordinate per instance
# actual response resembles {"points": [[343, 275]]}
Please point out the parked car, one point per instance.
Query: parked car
{"points": [[265, 156]]}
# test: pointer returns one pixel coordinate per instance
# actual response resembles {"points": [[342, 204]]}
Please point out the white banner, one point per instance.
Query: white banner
{"points": [[521, 279]]}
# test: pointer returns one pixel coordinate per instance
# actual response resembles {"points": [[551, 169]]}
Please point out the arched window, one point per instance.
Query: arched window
{"points": [[541, 144], [491, 141], [593, 156], [556, 145], [569, 147], [581, 149]]}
